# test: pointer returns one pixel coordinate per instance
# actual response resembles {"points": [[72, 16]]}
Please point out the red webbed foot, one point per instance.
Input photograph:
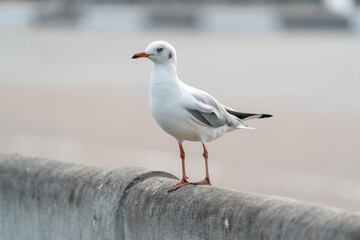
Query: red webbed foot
{"points": [[182, 183], [206, 181]]}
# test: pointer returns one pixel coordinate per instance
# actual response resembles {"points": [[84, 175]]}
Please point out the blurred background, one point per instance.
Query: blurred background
{"points": [[69, 89]]}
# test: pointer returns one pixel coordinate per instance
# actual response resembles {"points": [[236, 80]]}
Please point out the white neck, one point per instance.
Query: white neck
{"points": [[163, 77]]}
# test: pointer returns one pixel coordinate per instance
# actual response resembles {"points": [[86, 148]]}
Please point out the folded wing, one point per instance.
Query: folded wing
{"points": [[208, 110]]}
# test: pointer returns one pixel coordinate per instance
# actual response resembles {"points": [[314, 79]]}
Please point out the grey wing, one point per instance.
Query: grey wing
{"points": [[207, 110], [209, 119]]}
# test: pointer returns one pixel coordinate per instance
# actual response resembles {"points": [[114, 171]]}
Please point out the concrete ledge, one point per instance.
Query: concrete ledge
{"points": [[43, 199]]}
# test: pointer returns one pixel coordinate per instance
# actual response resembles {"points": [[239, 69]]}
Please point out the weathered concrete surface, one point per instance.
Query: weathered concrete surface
{"points": [[42, 199], [205, 212]]}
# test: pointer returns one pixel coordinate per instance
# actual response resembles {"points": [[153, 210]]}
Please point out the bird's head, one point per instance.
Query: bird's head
{"points": [[160, 52]]}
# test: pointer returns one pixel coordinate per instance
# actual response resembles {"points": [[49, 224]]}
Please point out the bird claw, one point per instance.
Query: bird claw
{"points": [[206, 181], [182, 183]]}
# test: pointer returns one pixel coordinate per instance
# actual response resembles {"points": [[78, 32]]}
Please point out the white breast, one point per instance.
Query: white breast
{"points": [[165, 103], [174, 119]]}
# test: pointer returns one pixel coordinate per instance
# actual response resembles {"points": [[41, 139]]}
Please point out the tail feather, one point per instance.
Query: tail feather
{"points": [[248, 116], [246, 127]]}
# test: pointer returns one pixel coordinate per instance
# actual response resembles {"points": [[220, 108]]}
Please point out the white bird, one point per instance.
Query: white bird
{"points": [[184, 112]]}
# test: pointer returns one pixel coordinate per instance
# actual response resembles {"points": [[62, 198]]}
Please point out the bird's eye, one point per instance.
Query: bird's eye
{"points": [[159, 50]]}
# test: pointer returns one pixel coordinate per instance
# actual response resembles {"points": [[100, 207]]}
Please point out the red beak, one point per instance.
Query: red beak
{"points": [[140, 55]]}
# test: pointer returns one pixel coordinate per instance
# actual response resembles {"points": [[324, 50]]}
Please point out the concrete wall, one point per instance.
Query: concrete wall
{"points": [[43, 199]]}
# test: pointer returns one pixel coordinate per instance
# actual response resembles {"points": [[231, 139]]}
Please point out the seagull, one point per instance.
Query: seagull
{"points": [[184, 112]]}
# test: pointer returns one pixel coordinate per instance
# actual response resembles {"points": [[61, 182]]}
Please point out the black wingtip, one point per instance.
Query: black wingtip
{"points": [[266, 115]]}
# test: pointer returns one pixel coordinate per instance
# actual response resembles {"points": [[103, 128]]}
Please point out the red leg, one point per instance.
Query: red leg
{"points": [[184, 180], [207, 177]]}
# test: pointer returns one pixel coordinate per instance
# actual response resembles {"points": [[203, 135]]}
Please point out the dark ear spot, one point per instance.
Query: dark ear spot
{"points": [[170, 55]]}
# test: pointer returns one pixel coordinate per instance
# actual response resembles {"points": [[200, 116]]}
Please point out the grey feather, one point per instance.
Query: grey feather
{"points": [[207, 110], [209, 119]]}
